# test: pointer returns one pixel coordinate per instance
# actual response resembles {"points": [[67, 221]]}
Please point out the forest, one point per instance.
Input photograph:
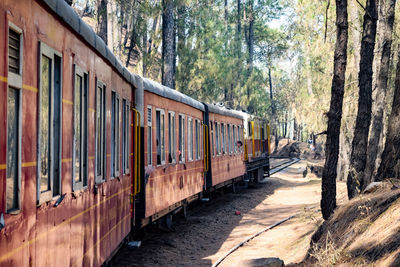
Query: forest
{"points": [[327, 67]]}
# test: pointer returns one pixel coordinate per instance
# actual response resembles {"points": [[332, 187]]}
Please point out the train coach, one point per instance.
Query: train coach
{"points": [[89, 152], [64, 149]]}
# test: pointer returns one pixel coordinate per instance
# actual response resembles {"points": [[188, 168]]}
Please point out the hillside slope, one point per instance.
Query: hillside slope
{"points": [[364, 231]]}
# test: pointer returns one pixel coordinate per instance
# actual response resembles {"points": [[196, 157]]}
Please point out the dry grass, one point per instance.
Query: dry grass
{"points": [[365, 231]]}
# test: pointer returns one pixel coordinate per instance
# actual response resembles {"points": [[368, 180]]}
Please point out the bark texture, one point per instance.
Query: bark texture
{"points": [[168, 51], [328, 199], [102, 19], [390, 165], [358, 157], [386, 20]]}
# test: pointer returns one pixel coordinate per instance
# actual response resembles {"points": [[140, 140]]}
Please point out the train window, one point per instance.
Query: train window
{"points": [[171, 138], [49, 136], [149, 136], [212, 138], [239, 136], [229, 138], [125, 136], [115, 134], [190, 138], [217, 138], [160, 140], [14, 122], [79, 158], [249, 129], [223, 138], [14, 49], [100, 131], [181, 138], [234, 138], [13, 149], [197, 134]]}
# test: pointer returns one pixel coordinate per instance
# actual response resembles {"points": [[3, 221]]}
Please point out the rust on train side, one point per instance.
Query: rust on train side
{"points": [[88, 224]]}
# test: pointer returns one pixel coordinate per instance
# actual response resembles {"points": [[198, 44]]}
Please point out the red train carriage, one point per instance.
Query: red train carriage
{"points": [[64, 140], [173, 151], [226, 156]]}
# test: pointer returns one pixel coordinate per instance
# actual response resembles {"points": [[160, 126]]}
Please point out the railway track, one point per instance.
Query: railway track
{"points": [[284, 165], [277, 168]]}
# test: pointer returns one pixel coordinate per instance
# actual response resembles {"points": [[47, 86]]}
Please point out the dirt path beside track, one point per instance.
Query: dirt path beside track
{"points": [[213, 229]]}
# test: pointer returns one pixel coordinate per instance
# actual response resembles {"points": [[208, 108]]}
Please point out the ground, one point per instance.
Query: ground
{"points": [[213, 228]]}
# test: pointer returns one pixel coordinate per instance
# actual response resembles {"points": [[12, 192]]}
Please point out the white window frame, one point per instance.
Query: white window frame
{"points": [[223, 140], [115, 145], [126, 136], [84, 112], [162, 130], [212, 126], [45, 50], [190, 136], [182, 133], [149, 124], [172, 132], [102, 129], [15, 81]]}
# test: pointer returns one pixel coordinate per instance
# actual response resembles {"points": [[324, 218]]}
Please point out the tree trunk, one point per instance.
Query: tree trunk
{"points": [[152, 35], [386, 20], [250, 39], [144, 49], [390, 165], [347, 130], [110, 24], [102, 19], [360, 140], [168, 53], [328, 197], [133, 40]]}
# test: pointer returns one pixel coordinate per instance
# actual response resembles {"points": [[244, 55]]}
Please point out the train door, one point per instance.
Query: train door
{"points": [[136, 144]]}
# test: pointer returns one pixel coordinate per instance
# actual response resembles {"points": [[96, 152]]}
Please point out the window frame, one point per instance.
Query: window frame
{"points": [[149, 124], [172, 142], [234, 139], [84, 125], [190, 139], [162, 135], [103, 112], [182, 133], [115, 136], [223, 140], [14, 78], [228, 133], [41, 197], [198, 139], [212, 138], [15, 82], [126, 127]]}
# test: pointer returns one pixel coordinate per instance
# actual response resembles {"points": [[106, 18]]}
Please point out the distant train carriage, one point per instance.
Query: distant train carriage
{"points": [[226, 154], [173, 151], [257, 146], [64, 140]]}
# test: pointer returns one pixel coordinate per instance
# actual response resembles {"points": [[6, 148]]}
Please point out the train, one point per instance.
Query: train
{"points": [[90, 152]]}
